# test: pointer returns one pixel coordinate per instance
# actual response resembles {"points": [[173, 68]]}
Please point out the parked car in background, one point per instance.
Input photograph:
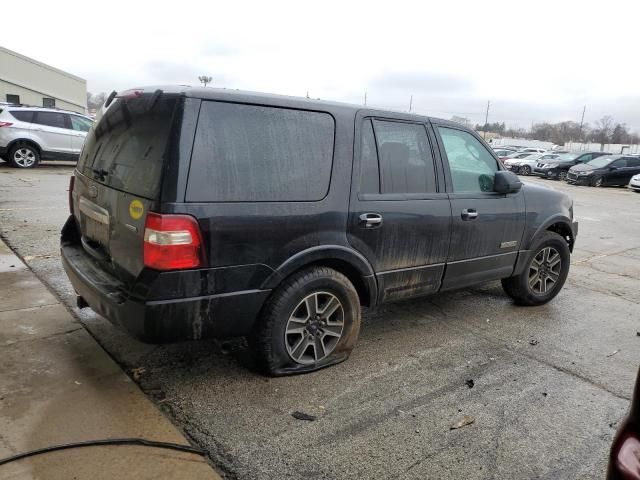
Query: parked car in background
{"points": [[624, 458], [503, 153], [513, 162], [526, 165], [558, 168], [31, 134], [605, 170], [162, 241], [533, 150], [634, 183]]}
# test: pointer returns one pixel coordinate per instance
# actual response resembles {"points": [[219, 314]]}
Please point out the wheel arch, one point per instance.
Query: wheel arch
{"points": [[559, 224], [342, 259], [24, 141]]}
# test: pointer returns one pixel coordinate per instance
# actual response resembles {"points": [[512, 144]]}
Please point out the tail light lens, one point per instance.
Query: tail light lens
{"points": [[172, 242], [5, 124], [72, 182]]}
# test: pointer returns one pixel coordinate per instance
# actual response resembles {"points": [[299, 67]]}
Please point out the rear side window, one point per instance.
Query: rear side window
{"points": [[406, 162], [633, 162], [126, 149], [247, 153], [23, 116], [51, 119], [80, 123]]}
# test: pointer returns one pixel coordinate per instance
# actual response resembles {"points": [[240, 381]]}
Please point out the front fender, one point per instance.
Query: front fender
{"points": [[555, 219]]}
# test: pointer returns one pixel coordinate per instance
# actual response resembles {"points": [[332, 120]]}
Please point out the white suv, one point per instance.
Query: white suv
{"points": [[31, 134]]}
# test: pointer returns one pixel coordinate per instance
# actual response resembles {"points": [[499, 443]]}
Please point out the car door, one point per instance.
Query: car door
{"points": [[634, 168], [616, 173], [80, 126], [487, 227], [399, 214], [53, 132]]}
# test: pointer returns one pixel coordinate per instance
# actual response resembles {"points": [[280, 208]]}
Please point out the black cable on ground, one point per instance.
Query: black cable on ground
{"points": [[109, 441]]}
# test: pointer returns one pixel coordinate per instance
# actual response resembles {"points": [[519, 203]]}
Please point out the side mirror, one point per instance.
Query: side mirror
{"points": [[506, 182]]}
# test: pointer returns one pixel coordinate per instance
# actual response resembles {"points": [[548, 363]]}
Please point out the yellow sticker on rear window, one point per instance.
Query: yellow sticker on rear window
{"points": [[136, 209]]}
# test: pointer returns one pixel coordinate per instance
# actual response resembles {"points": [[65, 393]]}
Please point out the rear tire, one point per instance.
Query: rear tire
{"points": [[562, 176], [310, 322], [545, 273], [24, 156]]}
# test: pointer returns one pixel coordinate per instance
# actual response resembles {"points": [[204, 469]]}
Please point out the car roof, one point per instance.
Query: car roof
{"points": [[30, 108], [244, 96]]}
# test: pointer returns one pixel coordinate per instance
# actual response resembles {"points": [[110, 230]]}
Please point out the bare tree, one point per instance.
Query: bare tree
{"points": [[94, 102], [604, 129]]}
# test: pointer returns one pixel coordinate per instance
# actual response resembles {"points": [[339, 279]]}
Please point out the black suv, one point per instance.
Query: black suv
{"points": [[205, 212], [559, 167], [605, 171]]}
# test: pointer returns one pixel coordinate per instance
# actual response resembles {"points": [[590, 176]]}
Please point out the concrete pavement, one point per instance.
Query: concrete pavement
{"points": [[547, 410], [57, 386]]}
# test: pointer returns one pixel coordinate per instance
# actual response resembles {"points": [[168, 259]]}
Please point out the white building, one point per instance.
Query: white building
{"points": [[27, 81]]}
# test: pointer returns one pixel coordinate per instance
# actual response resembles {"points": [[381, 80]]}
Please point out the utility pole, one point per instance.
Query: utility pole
{"points": [[410, 103], [365, 97], [582, 122], [486, 118]]}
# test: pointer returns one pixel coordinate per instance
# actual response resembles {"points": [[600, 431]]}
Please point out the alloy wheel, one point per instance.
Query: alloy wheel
{"points": [[563, 175], [24, 157], [526, 170], [314, 328], [544, 270], [598, 182]]}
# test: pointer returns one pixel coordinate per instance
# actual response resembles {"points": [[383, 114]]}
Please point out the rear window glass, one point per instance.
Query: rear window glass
{"points": [[23, 116], [247, 153], [126, 149]]}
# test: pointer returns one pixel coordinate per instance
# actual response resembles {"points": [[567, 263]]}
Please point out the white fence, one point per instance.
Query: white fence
{"points": [[607, 147], [522, 142]]}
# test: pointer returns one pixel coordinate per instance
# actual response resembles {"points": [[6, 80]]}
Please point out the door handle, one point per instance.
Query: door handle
{"points": [[469, 214], [370, 220]]}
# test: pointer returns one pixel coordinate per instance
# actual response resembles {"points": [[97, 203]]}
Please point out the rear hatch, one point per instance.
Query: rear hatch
{"points": [[119, 177]]}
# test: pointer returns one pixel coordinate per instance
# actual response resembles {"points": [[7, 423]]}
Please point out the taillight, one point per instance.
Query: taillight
{"points": [[5, 124], [172, 242], [72, 182]]}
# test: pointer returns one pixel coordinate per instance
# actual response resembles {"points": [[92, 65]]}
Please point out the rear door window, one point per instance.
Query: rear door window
{"points": [[51, 119], [23, 116], [250, 153], [126, 149], [406, 162]]}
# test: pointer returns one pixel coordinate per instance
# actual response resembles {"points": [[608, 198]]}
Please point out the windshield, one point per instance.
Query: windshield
{"points": [[600, 162]]}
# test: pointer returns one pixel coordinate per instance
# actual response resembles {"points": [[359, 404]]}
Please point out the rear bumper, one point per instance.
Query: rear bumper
{"points": [[160, 320]]}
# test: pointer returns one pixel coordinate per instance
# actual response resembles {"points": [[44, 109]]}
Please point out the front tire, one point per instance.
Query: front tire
{"points": [[598, 182], [24, 156], [310, 322], [525, 170], [545, 272]]}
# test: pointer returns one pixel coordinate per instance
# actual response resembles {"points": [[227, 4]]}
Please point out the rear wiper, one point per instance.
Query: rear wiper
{"points": [[100, 173]]}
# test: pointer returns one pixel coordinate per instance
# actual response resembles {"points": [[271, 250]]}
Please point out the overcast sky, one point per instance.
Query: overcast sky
{"points": [[535, 61]]}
